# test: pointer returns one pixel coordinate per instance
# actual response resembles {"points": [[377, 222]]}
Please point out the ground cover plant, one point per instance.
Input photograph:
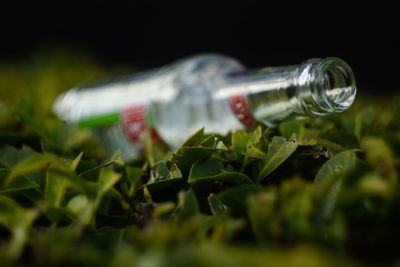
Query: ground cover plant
{"points": [[312, 192]]}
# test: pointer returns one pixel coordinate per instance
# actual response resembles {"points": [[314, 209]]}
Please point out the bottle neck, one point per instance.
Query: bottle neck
{"points": [[315, 88]]}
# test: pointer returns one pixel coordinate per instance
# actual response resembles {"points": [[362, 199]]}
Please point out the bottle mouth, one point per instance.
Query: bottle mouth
{"points": [[333, 85]]}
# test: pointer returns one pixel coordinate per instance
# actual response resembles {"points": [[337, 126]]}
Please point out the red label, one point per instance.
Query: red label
{"points": [[240, 108], [134, 122]]}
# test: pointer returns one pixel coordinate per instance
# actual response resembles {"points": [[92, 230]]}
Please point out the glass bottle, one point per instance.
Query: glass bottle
{"points": [[211, 91]]}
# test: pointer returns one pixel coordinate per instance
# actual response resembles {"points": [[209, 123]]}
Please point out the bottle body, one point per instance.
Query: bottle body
{"points": [[211, 91], [174, 101]]}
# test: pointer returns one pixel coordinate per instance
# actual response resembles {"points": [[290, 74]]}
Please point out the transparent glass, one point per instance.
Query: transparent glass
{"points": [[211, 91], [314, 88]]}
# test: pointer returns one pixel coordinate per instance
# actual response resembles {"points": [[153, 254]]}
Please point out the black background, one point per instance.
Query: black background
{"points": [[258, 33]]}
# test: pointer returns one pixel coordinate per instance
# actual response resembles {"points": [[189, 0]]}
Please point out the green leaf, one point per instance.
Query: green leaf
{"points": [[20, 184], [160, 171], [78, 203], [255, 136], [163, 208], [10, 156], [57, 214], [358, 124], [107, 179], [76, 161], [106, 237], [186, 156], [216, 205], [36, 163], [56, 186], [262, 216], [377, 151], [240, 139], [133, 176], [328, 180], [235, 198], [254, 146], [174, 172], [210, 141], [165, 189], [117, 158], [339, 163], [205, 168], [7, 209], [84, 208], [305, 136], [379, 155], [278, 152], [163, 180], [333, 148], [195, 139], [287, 128], [213, 171], [18, 221], [188, 206]]}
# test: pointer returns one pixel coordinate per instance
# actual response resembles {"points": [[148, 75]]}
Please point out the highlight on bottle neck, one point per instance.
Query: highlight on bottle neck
{"points": [[323, 86], [314, 88]]}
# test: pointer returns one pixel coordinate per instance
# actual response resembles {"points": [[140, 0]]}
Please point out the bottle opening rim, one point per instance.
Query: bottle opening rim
{"points": [[334, 84]]}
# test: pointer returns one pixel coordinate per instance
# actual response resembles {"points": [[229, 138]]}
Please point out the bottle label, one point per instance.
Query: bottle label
{"points": [[133, 121], [240, 108], [137, 119]]}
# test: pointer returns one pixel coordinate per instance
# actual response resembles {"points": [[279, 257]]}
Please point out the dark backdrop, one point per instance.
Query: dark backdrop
{"points": [[259, 33]]}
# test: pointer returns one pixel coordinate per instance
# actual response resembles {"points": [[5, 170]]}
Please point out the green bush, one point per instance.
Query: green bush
{"points": [[313, 192]]}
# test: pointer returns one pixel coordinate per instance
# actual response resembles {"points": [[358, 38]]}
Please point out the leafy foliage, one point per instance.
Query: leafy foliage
{"points": [[313, 192]]}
